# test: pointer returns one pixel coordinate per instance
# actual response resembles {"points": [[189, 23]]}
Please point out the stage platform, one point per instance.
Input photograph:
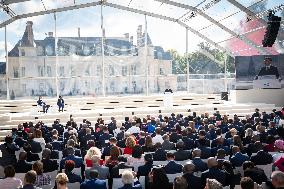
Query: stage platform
{"points": [[15, 112]]}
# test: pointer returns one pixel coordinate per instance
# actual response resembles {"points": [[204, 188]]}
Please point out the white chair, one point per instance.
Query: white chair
{"points": [[142, 181], [239, 170], [20, 176], [17, 153], [52, 174], [267, 169], [136, 165], [117, 183], [2, 171], [160, 162], [172, 177], [75, 171], [238, 187], [75, 185]]}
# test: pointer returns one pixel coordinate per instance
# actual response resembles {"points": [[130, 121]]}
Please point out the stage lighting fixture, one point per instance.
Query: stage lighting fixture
{"points": [[273, 26]]}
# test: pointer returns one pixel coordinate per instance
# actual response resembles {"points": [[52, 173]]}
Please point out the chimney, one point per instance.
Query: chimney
{"points": [[79, 34], [131, 40], [50, 34], [126, 35], [28, 37]]}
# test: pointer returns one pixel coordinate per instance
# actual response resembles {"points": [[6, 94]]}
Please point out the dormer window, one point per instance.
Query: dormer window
{"points": [[23, 52]]}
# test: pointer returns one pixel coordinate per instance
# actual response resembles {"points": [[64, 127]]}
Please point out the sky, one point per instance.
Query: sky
{"points": [[167, 34]]}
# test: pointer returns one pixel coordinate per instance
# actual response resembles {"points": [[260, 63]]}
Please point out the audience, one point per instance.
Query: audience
{"points": [[29, 180], [205, 142]]}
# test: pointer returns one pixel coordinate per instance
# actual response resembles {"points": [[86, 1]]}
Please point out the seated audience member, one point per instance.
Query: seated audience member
{"points": [[104, 137], [22, 166], [167, 145], [93, 182], [200, 165], [141, 140], [8, 152], [113, 159], [56, 144], [192, 180], [70, 156], [158, 179], [238, 158], [279, 147], [10, 181], [269, 147], [145, 169], [261, 157], [213, 172], [277, 179], [136, 157], [188, 142], [129, 144], [180, 183], [213, 184], [103, 171], [159, 154], [128, 181], [30, 155], [90, 153], [87, 137], [19, 140], [38, 137], [181, 154], [71, 144], [172, 167], [232, 179], [247, 183], [149, 146], [106, 150], [29, 180], [35, 146], [61, 181], [41, 178], [69, 167], [48, 164], [134, 129], [54, 154], [158, 137], [114, 173], [255, 173]]}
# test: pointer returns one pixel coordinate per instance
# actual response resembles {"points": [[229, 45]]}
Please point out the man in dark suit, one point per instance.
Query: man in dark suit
{"points": [[60, 104], [268, 69], [36, 147], [181, 154], [56, 125], [213, 173], [255, 173], [199, 164], [172, 167], [167, 145], [121, 165], [54, 153], [48, 164], [261, 157], [159, 154], [56, 145], [238, 158], [22, 165], [93, 182], [192, 180], [70, 156], [145, 169], [104, 138], [106, 150], [86, 138]]}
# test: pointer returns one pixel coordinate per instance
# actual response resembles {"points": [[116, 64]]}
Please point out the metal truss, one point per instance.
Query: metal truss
{"points": [[7, 2], [198, 11]]}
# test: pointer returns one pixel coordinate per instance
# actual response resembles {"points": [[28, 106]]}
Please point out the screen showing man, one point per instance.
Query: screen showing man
{"points": [[268, 69]]}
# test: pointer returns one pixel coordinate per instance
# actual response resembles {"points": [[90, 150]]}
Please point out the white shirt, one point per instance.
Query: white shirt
{"points": [[133, 129], [157, 138], [277, 156], [10, 182]]}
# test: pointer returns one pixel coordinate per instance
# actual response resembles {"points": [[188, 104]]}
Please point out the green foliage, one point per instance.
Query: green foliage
{"points": [[204, 61]]}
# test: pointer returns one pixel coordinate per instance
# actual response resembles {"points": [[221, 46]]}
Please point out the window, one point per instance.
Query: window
{"points": [[40, 71], [124, 70], [133, 69], [72, 70], [16, 72], [161, 71], [48, 71], [61, 71], [87, 84], [111, 70], [23, 52], [41, 87], [23, 71], [99, 70]]}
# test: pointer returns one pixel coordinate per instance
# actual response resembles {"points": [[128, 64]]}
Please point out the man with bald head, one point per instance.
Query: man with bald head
{"points": [[213, 173], [192, 180]]}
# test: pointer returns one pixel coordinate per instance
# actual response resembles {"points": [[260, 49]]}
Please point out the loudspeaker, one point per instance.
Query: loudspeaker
{"points": [[270, 35], [224, 96]]}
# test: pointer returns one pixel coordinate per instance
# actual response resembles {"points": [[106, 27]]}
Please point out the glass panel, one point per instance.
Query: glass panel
{"points": [[27, 7], [3, 87], [215, 33]]}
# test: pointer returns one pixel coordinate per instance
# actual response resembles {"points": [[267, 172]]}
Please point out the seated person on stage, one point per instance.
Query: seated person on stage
{"points": [[60, 103], [268, 69], [40, 102]]}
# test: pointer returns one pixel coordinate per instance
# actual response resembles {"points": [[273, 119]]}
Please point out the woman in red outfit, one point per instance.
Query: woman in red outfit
{"points": [[130, 143]]}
